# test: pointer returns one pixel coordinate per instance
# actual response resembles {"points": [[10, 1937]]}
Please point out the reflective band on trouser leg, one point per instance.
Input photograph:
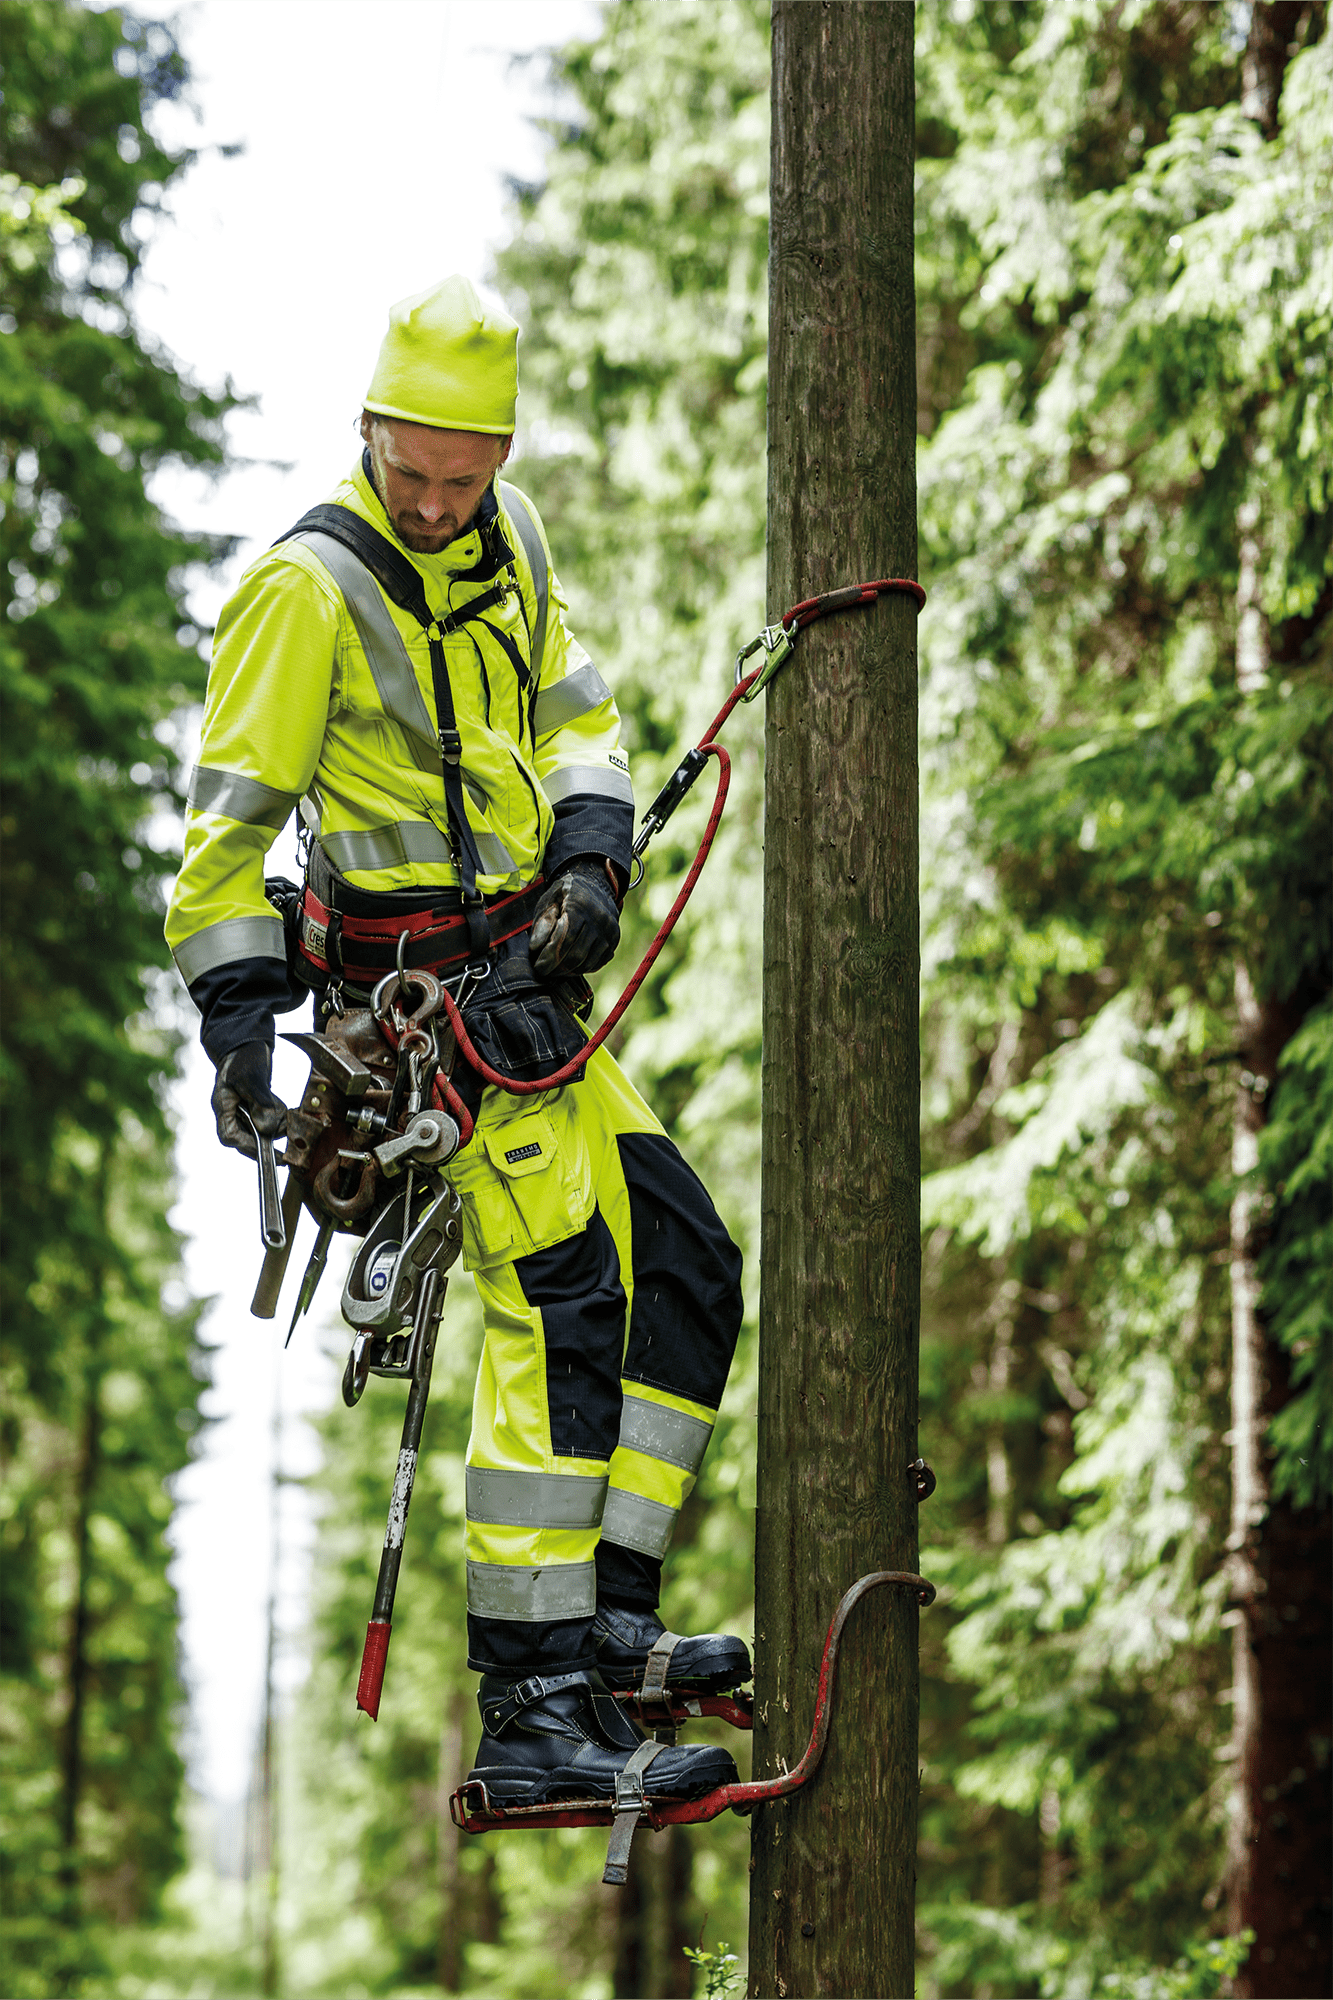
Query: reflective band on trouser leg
{"points": [[673, 1430], [535, 1499], [632, 1522], [532, 1596], [662, 1443]]}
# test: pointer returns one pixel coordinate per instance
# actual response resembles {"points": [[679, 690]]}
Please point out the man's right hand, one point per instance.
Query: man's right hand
{"points": [[245, 1083]]}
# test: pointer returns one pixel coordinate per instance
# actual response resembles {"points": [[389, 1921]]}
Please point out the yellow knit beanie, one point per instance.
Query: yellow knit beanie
{"points": [[449, 361]]}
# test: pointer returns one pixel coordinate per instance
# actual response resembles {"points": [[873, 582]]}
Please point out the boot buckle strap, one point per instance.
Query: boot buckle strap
{"points": [[657, 1666], [497, 1715], [630, 1802], [629, 1782]]}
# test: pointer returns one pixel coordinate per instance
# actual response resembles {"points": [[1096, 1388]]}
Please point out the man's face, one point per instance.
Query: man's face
{"points": [[431, 482]]}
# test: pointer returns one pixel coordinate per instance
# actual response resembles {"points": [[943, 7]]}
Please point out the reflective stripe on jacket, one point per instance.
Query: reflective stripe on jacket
{"points": [[320, 695]]}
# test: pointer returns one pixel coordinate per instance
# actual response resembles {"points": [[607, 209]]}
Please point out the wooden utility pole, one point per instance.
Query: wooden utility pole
{"points": [[833, 1873]]}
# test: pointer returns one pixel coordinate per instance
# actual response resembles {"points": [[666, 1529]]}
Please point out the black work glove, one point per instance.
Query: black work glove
{"points": [[577, 925], [245, 1082]]}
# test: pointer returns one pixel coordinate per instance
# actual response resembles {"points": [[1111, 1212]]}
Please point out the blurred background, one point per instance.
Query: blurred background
{"points": [[1125, 412]]}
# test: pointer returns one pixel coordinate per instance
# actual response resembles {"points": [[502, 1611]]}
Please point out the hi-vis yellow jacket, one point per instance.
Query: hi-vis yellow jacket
{"points": [[320, 696]]}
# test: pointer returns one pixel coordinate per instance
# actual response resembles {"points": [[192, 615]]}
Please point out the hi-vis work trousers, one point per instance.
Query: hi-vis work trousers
{"points": [[612, 1300]]}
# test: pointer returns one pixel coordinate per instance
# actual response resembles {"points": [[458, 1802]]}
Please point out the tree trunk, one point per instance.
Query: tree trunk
{"points": [[449, 1955], [76, 1668], [1273, 28], [631, 1924], [999, 1478], [652, 1925], [678, 1982], [1280, 1589], [270, 1971], [1279, 1557], [832, 1872], [77, 1665]]}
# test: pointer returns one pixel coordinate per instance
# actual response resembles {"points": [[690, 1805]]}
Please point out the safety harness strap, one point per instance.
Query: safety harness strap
{"points": [[536, 555], [334, 942], [401, 582], [451, 754]]}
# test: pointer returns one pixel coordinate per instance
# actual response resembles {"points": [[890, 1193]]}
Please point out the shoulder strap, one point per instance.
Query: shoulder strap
{"points": [[395, 575], [402, 583], [522, 517]]}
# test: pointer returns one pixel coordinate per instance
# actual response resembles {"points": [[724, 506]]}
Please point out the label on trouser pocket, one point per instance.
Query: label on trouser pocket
{"points": [[525, 1183]]}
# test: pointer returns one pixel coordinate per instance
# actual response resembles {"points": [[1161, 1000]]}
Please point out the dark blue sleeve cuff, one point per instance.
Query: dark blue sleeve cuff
{"points": [[238, 1002], [589, 825]]}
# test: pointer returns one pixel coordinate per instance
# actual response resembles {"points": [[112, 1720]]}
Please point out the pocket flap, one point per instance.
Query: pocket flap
{"points": [[523, 1146]]}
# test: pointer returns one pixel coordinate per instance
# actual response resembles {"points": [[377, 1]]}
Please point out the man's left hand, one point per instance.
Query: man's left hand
{"points": [[577, 925]]}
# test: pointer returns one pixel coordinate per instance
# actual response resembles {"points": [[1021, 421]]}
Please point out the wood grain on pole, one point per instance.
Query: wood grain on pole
{"points": [[833, 1868]]}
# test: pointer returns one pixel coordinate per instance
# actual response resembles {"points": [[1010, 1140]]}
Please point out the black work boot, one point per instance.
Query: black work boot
{"points": [[624, 1637], [563, 1736]]}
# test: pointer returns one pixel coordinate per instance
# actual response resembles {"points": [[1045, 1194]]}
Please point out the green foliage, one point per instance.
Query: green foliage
{"points": [[1203, 1970], [101, 1366], [1133, 385], [719, 1968], [1296, 1157]]}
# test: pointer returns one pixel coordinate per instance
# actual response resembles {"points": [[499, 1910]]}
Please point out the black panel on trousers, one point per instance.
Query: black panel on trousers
{"points": [[624, 1576], [577, 1286], [509, 1646], [687, 1275]]}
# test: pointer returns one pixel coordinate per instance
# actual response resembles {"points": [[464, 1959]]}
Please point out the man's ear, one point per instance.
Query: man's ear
{"points": [[366, 426], [504, 455]]}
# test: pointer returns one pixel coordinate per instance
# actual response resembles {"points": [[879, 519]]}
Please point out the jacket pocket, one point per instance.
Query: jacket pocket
{"points": [[525, 1183]]}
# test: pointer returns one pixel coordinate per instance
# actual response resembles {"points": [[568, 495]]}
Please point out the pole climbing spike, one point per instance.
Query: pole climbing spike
{"points": [[473, 1811]]}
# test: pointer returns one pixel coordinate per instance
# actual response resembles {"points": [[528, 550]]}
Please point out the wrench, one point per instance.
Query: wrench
{"points": [[272, 1227]]}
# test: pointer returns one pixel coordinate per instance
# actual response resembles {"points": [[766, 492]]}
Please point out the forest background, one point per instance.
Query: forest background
{"points": [[1125, 298]]}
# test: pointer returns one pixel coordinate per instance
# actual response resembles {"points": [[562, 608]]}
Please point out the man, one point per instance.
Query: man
{"points": [[443, 764]]}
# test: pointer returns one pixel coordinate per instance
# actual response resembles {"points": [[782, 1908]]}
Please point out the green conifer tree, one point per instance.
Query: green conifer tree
{"points": [[101, 1364]]}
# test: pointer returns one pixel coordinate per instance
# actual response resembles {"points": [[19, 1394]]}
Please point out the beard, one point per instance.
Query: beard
{"points": [[427, 541]]}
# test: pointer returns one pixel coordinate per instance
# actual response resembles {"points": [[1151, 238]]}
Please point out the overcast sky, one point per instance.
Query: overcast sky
{"points": [[377, 136]]}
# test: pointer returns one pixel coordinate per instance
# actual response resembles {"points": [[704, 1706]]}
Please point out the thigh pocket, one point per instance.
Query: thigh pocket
{"points": [[525, 1183]]}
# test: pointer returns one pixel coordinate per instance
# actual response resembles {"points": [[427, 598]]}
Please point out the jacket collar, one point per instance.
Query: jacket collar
{"points": [[472, 557]]}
